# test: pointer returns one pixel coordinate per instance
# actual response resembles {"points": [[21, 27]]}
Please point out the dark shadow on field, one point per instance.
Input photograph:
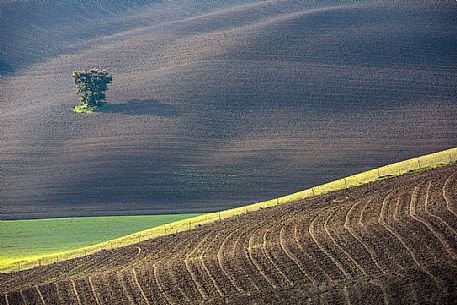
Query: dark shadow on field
{"points": [[5, 67], [143, 107]]}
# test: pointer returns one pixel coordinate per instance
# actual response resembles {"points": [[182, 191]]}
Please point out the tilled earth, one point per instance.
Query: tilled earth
{"points": [[216, 104], [387, 242]]}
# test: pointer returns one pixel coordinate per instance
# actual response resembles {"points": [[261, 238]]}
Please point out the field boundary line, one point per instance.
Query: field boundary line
{"points": [[302, 249], [434, 215], [40, 295], [257, 265], [412, 209], [414, 293], [284, 221], [159, 285], [268, 256], [220, 258], [348, 255], [93, 290], [313, 236], [396, 235], [245, 251], [347, 226], [292, 256], [188, 257], [412, 165], [135, 279], [446, 198], [73, 286], [202, 261], [124, 289], [347, 299], [22, 297]]}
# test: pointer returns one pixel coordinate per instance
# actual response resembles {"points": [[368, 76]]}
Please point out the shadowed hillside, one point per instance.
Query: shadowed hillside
{"points": [[387, 242], [216, 104]]}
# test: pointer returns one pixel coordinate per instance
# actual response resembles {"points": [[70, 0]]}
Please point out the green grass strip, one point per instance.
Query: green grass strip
{"points": [[34, 239], [400, 168]]}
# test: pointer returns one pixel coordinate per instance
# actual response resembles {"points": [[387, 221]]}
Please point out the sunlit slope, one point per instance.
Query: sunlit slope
{"points": [[218, 107], [391, 241]]}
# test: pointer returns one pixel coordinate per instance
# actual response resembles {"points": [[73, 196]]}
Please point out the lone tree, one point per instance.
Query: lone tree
{"points": [[91, 86]]}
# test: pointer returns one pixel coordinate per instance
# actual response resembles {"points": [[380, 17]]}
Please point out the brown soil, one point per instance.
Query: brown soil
{"points": [[388, 242], [216, 104]]}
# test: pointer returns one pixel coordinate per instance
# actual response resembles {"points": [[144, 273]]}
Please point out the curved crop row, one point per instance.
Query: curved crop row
{"points": [[385, 240]]}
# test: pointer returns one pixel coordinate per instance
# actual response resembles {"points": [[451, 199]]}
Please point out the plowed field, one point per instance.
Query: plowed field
{"points": [[387, 242], [216, 104]]}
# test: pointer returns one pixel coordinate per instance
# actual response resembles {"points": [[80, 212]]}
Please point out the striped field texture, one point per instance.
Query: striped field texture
{"points": [[409, 166], [387, 242]]}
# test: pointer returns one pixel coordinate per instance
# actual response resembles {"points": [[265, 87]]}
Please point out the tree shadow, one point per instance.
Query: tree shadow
{"points": [[143, 107]]}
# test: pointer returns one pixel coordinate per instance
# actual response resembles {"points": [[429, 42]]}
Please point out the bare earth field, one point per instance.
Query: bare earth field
{"points": [[216, 104], [387, 242]]}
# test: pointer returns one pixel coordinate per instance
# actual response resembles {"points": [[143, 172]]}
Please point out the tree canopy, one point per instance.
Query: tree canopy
{"points": [[91, 86]]}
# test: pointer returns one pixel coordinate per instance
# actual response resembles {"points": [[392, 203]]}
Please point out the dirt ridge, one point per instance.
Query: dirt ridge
{"points": [[391, 241]]}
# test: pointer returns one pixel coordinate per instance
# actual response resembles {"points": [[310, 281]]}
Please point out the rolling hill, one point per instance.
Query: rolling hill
{"points": [[388, 242], [216, 104]]}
